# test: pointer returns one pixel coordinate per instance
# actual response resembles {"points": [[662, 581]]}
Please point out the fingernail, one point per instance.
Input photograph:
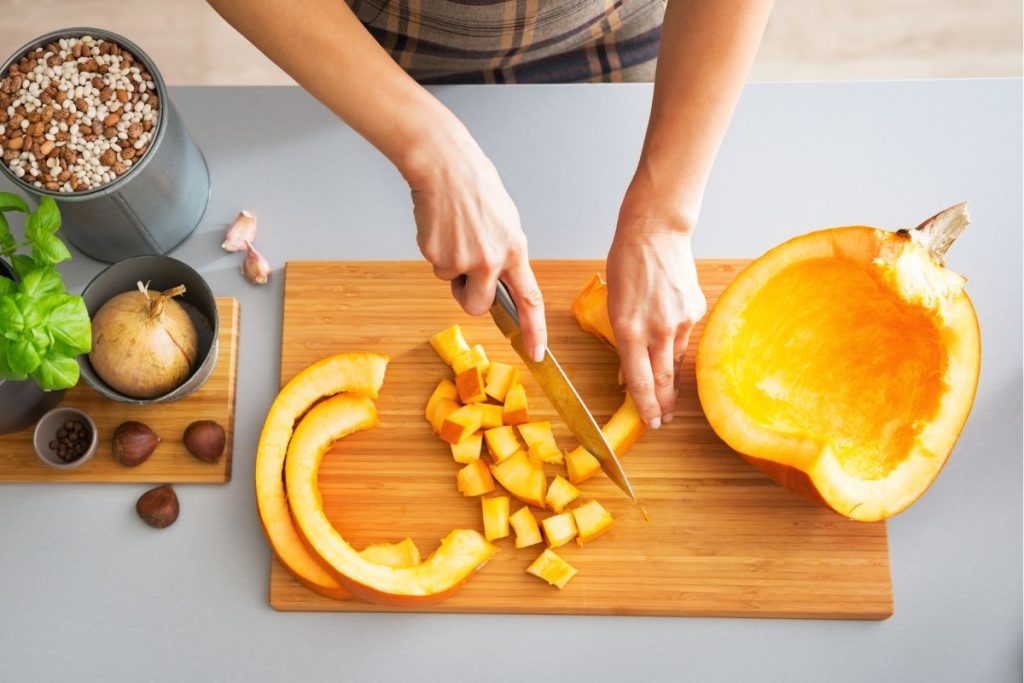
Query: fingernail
{"points": [[656, 423], [538, 353], [668, 418]]}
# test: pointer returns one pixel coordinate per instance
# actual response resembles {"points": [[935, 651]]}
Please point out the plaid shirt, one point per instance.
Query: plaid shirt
{"points": [[518, 41]]}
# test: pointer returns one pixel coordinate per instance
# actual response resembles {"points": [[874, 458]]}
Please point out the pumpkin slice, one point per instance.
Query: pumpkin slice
{"points": [[468, 450], [474, 479], [495, 513], [449, 343], [559, 529], [592, 520], [560, 493], [462, 422], [525, 525], [844, 364], [461, 553], [516, 411], [491, 415], [402, 554], [501, 443], [500, 378], [359, 373]]}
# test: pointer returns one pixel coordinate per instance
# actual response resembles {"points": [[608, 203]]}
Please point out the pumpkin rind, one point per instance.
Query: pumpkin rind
{"points": [[908, 393]]}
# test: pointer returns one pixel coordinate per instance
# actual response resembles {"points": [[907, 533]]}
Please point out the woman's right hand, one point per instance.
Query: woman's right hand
{"points": [[467, 225]]}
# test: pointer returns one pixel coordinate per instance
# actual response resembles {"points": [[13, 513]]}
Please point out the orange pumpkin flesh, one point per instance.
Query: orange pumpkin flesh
{"points": [[460, 554], [844, 364], [359, 373]]}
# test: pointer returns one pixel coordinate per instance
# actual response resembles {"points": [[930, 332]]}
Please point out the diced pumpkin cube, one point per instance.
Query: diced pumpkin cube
{"points": [[580, 465], [398, 555], [525, 525], [536, 432], [522, 479], [492, 415], [559, 529], [546, 451], [515, 406], [468, 450], [560, 494], [592, 520], [495, 511], [445, 389], [500, 378], [442, 409], [461, 423], [476, 357], [449, 343], [470, 383], [475, 479], [501, 442], [552, 568]]}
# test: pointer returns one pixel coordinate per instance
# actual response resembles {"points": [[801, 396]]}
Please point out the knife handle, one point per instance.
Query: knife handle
{"points": [[504, 311]]}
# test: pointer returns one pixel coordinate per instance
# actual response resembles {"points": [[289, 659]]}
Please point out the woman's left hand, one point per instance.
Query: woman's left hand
{"points": [[654, 300]]}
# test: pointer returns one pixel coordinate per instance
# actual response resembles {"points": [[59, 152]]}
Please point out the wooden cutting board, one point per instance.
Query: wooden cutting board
{"points": [[170, 462], [722, 539]]}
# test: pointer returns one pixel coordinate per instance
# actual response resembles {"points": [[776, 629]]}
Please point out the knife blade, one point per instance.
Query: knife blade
{"points": [[560, 391]]}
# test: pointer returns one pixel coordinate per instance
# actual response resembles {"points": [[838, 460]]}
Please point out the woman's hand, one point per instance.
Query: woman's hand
{"points": [[653, 301], [468, 227]]}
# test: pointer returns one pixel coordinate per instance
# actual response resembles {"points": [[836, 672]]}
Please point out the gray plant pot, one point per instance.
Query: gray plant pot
{"points": [[23, 402]]}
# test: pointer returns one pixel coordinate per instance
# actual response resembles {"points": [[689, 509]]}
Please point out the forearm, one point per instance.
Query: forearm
{"points": [[706, 52], [325, 48]]}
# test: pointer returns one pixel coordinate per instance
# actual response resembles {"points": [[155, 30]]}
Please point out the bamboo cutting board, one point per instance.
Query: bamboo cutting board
{"points": [[722, 539], [170, 462]]}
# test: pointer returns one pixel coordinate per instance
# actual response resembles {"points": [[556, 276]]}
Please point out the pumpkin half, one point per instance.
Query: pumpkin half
{"points": [[844, 363]]}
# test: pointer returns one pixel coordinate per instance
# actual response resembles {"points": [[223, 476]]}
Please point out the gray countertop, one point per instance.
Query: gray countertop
{"points": [[89, 593]]}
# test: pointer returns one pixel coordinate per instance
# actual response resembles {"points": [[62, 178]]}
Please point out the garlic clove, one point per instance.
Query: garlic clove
{"points": [[255, 267], [241, 231]]}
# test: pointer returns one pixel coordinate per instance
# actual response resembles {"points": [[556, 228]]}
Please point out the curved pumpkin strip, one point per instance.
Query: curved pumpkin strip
{"points": [[843, 363], [360, 373], [459, 556]]}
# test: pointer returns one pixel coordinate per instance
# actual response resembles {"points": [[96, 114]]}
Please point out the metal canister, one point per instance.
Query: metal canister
{"points": [[155, 204]]}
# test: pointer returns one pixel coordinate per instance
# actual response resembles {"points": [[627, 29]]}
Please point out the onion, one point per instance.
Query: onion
{"points": [[144, 344]]}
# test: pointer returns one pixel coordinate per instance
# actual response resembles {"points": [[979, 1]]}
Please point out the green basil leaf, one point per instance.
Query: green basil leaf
{"points": [[68, 322], [45, 220], [6, 372], [12, 321], [23, 265], [47, 249], [13, 202], [40, 282], [8, 245], [7, 286], [56, 372], [22, 356]]}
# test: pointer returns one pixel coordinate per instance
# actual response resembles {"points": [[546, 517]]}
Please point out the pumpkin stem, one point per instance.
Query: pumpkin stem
{"points": [[156, 305], [938, 233]]}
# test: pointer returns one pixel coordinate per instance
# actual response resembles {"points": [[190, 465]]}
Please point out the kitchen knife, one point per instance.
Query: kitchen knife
{"points": [[559, 390]]}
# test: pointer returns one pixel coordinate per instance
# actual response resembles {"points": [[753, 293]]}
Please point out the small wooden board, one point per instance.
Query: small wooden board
{"points": [[170, 463], [722, 539]]}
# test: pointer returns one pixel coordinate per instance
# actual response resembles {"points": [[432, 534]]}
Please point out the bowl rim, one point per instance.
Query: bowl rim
{"points": [[56, 463]]}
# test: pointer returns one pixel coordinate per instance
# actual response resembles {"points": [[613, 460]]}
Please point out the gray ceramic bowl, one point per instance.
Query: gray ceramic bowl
{"points": [[46, 431], [161, 272]]}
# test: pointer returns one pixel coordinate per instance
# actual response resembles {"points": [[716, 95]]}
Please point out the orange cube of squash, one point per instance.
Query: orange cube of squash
{"points": [[580, 465], [461, 423], [592, 520], [560, 494], [449, 343], [522, 479], [443, 407], [474, 479], [515, 406], [525, 525], [559, 529], [500, 378], [476, 357], [492, 415], [552, 568], [495, 512], [468, 450], [501, 443], [536, 432], [445, 389], [470, 384]]}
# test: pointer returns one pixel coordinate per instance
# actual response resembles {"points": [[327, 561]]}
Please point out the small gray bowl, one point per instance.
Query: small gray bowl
{"points": [[161, 272], [46, 431]]}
